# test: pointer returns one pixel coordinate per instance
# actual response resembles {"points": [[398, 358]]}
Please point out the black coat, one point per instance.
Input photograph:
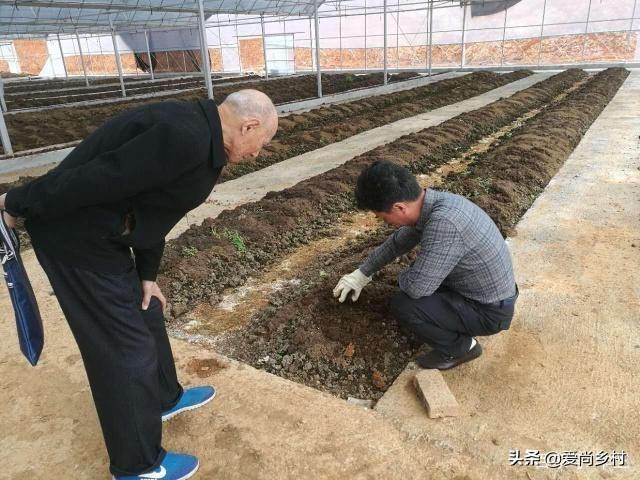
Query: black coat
{"points": [[126, 185]]}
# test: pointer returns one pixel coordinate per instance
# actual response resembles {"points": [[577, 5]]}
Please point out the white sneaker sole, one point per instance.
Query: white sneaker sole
{"points": [[192, 472], [184, 477], [191, 407]]}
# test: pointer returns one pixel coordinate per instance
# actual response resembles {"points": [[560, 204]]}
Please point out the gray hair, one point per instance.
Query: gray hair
{"points": [[250, 103]]}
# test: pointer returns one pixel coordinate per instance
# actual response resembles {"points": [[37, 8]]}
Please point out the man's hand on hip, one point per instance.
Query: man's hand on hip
{"points": [[151, 289], [10, 220], [354, 282]]}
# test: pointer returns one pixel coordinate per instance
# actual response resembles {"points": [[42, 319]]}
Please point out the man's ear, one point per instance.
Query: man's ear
{"points": [[250, 124], [399, 207]]}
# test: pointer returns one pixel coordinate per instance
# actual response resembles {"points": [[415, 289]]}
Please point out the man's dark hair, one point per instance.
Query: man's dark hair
{"points": [[382, 184]]}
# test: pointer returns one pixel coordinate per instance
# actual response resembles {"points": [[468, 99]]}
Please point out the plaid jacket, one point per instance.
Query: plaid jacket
{"points": [[460, 248]]}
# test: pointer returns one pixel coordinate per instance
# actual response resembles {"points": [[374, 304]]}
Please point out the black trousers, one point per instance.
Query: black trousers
{"points": [[447, 321], [127, 357]]}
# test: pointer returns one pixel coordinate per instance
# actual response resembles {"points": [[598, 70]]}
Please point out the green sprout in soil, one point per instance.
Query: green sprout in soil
{"points": [[189, 251], [233, 237]]}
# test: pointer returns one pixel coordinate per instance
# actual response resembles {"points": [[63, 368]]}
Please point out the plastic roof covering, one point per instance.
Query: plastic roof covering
{"points": [[41, 17]]}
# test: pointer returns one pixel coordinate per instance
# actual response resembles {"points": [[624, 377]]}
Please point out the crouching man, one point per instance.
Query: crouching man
{"points": [[461, 284]]}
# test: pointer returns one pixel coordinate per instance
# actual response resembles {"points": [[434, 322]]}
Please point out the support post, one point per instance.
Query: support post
{"points": [[430, 33], [64, 65], [4, 136], [264, 48], [118, 59], [84, 68], [319, 74], [586, 30], [146, 40], [384, 43], [311, 43], [504, 34], [464, 26], [633, 14], [3, 103], [206, 69], [544, 11]]}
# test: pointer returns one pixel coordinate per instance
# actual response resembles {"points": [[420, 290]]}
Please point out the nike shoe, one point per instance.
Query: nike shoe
{"points": [[191, 398], [175, 466]]}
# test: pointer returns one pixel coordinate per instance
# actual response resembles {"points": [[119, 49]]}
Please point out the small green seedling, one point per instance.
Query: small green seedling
{"points": [[189, 251]]}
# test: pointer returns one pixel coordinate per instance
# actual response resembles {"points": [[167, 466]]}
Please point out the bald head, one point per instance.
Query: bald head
{"points": [[249, 121], [250, 103]]}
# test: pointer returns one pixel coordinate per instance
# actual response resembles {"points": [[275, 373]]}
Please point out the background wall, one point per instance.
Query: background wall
{"points": [[531, 32]]}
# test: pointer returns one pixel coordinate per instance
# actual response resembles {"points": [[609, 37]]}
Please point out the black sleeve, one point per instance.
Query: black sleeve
{"points": [[152, 159], [148, 261]]}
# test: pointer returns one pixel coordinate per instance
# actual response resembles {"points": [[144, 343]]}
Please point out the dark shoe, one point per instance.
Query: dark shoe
{"points": [[441, 361]]}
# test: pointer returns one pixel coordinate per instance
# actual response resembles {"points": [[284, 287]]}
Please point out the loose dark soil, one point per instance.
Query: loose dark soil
{"points": [[223, 252], [310, 130], [31, 130], [300, 133], [32, 86], [356, 349], [43, 98]]}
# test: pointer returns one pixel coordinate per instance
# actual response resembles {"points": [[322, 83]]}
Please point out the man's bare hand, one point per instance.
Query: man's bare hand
{"points": [[151, 289], [11, 221]]}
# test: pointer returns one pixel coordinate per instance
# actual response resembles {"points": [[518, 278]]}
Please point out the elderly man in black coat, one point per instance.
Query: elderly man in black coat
{"points": [[98, 223]]}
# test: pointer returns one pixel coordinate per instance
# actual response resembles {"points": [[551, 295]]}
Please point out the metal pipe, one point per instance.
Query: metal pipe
{"points": [[384, 53], [3, 104], [464, 48], [118, 62], [64, 65], [633, 14], [544, 11], [311, 43], [430, 34], [264, 48], [504, 34], [365, 34], [586, 30], [205, 52], [319, 75], [146, 40], [4, 136], [84, 68]]}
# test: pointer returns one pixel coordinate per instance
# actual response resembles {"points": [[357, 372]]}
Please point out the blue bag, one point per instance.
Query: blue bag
{"points": [[28, 320]]}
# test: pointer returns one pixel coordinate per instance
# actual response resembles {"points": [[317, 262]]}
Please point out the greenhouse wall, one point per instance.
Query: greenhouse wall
{"points": [[532, 32]]}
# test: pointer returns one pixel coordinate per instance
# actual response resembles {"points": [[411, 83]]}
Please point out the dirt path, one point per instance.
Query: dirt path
{"points": [[259, 426]]}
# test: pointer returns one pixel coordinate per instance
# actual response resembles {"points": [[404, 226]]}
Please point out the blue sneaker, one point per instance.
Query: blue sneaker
{"points": [[191, 398], [175, 466]]}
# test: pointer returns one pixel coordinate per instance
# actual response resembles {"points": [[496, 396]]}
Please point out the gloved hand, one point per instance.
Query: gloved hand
{"points": [[354, 282]]}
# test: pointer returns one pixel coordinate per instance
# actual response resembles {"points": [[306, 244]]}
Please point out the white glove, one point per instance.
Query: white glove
{"points": [[354, 282]]}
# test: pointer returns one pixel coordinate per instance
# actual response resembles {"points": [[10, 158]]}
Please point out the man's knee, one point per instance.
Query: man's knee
{"points": [[404, 309]]}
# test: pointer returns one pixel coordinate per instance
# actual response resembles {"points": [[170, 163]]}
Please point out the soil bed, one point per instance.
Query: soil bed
{"points": [[30, 130], [34, 86], [223, 252], [356, 349], [304, 132], [43, 98], [310, 130]]}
